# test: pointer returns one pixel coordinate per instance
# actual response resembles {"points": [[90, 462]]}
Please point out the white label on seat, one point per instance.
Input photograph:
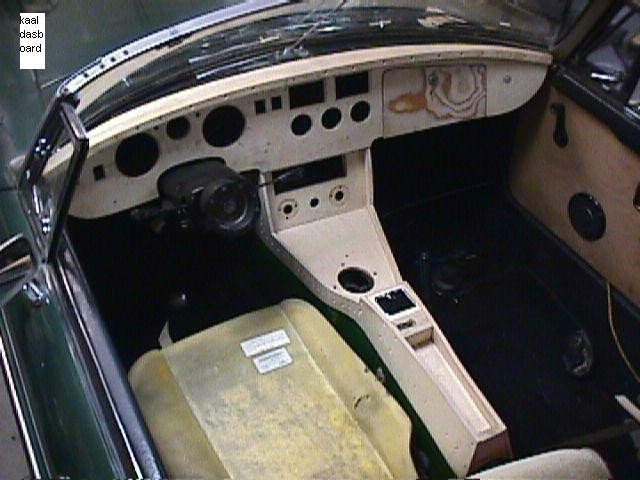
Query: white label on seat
{"points": [[263, 343], [273, 360]]}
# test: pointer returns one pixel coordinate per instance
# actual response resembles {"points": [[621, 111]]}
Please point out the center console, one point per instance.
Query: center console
{"points": [[339, 250]]}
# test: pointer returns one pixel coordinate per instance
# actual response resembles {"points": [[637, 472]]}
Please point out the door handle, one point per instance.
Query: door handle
{"points": [[560, 136]]}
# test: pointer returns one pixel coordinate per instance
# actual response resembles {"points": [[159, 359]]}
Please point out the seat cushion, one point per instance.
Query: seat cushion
{"points": [[578, 464], [296, 403]]}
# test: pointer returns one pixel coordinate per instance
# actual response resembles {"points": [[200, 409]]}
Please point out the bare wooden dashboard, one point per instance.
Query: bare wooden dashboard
{"points": [[299, 112]]}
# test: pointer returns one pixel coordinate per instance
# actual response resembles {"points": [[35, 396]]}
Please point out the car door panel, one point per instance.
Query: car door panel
{"points": [[65, 424], [544, 177]]}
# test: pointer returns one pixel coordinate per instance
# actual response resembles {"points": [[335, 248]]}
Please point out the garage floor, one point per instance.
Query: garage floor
{"points": [[13, 463]]}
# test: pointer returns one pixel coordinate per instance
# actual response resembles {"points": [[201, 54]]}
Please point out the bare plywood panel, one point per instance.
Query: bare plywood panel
{"points": [[544, 177], [428, 96]]}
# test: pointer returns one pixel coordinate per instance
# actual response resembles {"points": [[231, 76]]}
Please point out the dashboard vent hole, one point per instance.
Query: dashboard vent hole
{"points": [[353, 84], [99, 173], [331, 118], [301, 124]]}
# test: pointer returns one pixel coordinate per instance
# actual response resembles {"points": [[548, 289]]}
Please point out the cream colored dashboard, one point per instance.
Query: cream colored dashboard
{"points": [[257, 120]]}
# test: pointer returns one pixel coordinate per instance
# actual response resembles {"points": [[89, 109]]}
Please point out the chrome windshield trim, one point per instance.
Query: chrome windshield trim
{"points": [[22, 424], [117, 57]]}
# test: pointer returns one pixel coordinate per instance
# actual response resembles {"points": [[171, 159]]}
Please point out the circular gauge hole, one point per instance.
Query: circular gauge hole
{"points": [[331, 118], [178, 128], [360, 111], [301, 124], [314, 202], [355, 280], [223, 126], [339, 196], [137, 155], [287, 209]]}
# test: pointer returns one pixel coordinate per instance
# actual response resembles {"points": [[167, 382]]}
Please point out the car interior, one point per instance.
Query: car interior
{"points": [[423, 259]]}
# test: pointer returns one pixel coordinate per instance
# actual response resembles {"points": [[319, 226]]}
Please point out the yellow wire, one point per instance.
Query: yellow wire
{"points": [[615, 335]]}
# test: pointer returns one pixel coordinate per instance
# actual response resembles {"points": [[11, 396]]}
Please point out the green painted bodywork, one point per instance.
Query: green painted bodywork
{"points": [[51, 377]]}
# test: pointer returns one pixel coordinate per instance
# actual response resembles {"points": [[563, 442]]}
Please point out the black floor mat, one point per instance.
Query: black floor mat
{"points": [[513, 314]]}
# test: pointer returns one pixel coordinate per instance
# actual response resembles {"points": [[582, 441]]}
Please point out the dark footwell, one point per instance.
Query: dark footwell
{"points": [[529, 322]]}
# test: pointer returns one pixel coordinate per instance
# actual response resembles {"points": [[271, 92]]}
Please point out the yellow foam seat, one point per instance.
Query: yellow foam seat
{"points": [[272, 394]]}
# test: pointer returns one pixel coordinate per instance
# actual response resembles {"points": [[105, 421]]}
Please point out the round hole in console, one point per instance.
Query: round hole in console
{"points": [[331, 118], [301, 124], [178, 128], [136, 155], [338, 195], [355, 280], [314, 202], [360, 111], [288, 208], [223, 126]]}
